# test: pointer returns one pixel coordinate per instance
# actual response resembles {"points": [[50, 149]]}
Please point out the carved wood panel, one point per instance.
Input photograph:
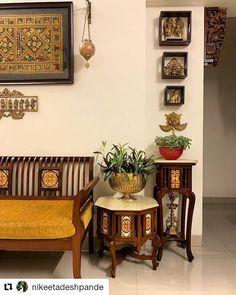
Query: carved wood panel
{"points": [[215, 26]]}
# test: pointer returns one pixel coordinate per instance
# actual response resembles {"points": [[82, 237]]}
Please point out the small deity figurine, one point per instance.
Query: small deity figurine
{"points": [[175, 96], [168, 27], [16, 102], [173, 27], [174, 68], [33, 103], [3, 104], [21, 104], [179, 28], [9, 104]]}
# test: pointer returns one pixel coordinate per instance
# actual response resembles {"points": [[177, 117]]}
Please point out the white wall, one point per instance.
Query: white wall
{"points": [[192, 110], [106, 102], [220, 121], [230, 4], [109, 100]]}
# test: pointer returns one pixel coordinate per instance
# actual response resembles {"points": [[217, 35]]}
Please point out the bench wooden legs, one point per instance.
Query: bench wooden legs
{"points": [[76, 256], [77, 245]]}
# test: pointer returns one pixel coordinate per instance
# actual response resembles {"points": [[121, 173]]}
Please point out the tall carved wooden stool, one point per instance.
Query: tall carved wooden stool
{"points": [[175, 176]]}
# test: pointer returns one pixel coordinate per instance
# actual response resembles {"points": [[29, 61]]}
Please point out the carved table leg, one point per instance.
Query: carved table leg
{"points": [[160, 225], [112, 249], [99, 234], [156, 244], [191, 198], [183, 214]]}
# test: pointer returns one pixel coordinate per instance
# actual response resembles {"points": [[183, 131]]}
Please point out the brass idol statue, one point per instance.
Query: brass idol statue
{"points": [[173, 28]]}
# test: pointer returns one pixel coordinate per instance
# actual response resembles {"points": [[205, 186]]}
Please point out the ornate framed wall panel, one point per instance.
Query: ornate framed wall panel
{"points": [[36, 43], [215, 29]]}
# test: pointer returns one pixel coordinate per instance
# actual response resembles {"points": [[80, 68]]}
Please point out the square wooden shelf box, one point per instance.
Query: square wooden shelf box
{"points": [[174, 65], [175, 28], [174, 96]]}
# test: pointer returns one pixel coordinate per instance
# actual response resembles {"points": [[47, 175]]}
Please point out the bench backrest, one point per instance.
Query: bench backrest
{"points": [[44, 176]]}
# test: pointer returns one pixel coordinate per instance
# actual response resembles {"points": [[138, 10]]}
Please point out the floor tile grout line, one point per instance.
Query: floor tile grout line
{"points": [[211, 250], [216, 236]]}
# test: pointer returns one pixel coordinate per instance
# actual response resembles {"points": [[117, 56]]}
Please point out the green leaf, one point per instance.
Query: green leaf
{"points": [[125, 159], [173, 141]]}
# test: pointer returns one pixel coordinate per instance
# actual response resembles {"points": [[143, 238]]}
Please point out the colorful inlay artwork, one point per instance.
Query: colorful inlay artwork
{"points": [[4, 177], [175, 178], [50, 179], [31, 44], [105, 223], [148, 222], [126, 229]]}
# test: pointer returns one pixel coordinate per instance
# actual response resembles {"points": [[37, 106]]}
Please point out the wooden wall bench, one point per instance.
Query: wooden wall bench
{"points": [[46, 203]]}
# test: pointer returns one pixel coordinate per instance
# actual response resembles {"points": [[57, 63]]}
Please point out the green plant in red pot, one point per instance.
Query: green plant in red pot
{"points": [[171, 147]]}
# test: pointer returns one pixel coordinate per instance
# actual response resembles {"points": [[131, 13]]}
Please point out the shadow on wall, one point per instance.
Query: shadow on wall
{"points": [[226, 78], [220, 121], [152, 149]]}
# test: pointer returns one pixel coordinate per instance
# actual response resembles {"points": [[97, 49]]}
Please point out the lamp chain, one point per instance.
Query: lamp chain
{"points": [[87, 48], [86, 21]]}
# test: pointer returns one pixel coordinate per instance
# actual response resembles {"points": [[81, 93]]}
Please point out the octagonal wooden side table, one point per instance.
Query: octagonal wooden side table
{"points": [[127, 222]]}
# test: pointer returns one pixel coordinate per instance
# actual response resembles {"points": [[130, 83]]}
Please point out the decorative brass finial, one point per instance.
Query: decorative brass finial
{"points": [[173, 123]]}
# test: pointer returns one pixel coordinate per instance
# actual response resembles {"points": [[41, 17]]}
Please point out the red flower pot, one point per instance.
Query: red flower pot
{"points": [[170, 153]]}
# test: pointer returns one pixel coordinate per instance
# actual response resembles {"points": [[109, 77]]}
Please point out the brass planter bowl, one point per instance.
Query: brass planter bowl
{"points": [[127, 184]]}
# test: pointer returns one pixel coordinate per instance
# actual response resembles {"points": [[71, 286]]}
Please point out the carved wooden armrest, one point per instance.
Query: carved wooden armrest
{"points": [[83, 199]]}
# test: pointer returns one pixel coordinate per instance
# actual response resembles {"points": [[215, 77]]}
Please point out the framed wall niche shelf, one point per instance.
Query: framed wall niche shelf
{"points": [[174, 95], [175, 28], [174, 65]]}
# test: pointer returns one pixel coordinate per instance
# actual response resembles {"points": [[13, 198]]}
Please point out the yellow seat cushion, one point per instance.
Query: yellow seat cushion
{"points": [[39, 219]]}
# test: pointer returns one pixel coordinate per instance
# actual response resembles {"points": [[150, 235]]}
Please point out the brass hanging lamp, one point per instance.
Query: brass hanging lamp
{"points": [[87, 48]]}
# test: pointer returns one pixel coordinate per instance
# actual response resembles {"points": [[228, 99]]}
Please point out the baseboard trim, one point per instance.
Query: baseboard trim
{"points": [[196, 241], [219, 200]]}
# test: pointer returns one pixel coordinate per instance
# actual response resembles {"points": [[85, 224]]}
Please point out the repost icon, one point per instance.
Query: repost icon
{"points": [[8, 287]]}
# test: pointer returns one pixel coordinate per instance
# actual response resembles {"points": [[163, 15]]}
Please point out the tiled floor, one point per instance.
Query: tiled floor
{"points": [[213, 270]]}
